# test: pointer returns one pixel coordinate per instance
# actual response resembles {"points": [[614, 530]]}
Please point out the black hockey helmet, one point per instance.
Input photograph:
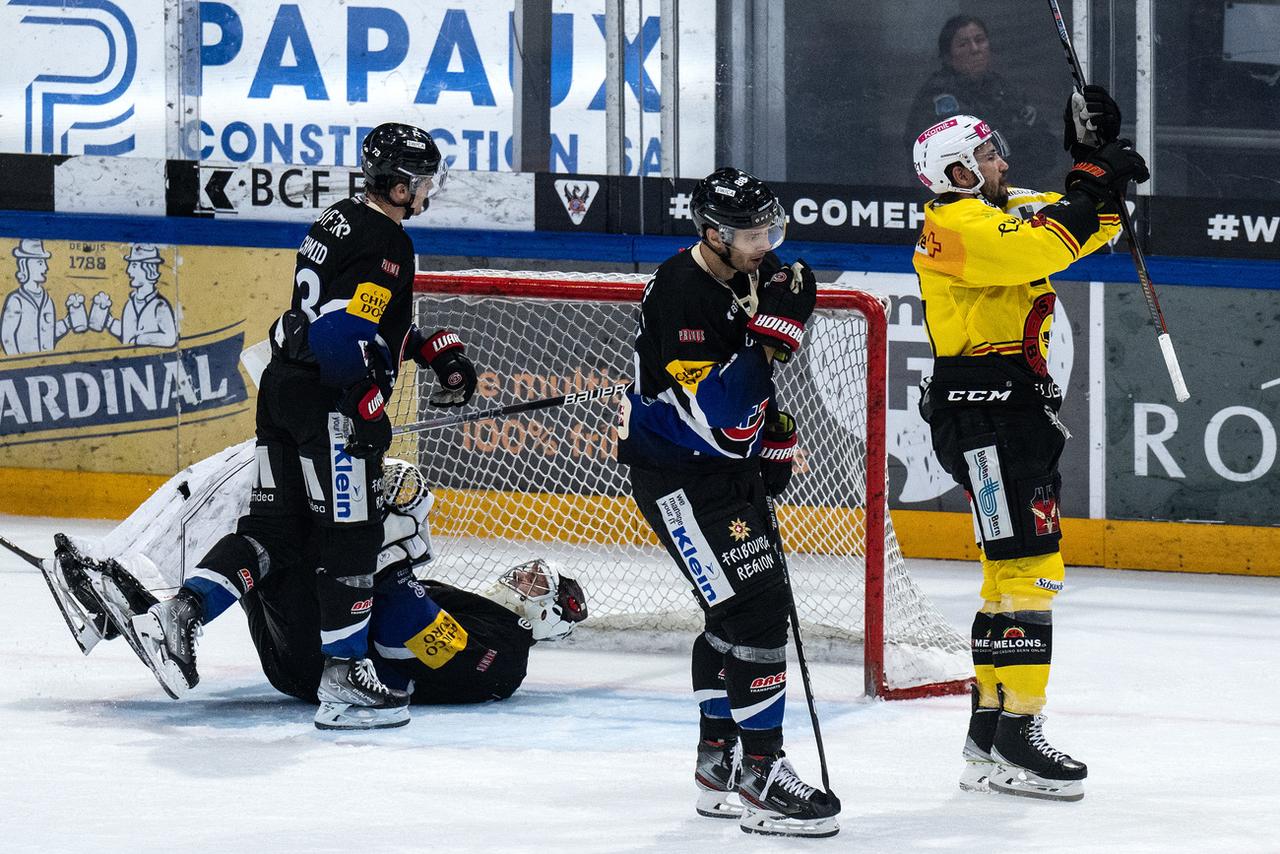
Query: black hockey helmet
{"points": [[395, 153], [730, 200]]}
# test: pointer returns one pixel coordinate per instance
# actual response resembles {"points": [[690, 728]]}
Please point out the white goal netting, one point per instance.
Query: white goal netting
{"points": [[545, 483]]}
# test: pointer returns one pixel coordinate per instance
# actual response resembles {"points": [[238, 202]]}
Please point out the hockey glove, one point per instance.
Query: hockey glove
{"points": [[786, 303], [1090, 120], [370, 429], [1106, 173], [777, 451], [443, 353]]}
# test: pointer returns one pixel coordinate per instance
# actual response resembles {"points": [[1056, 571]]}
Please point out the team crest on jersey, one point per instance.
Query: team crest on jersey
{"points": [[746, 431], [1044, 508], [739, 530], [1035, 334]]}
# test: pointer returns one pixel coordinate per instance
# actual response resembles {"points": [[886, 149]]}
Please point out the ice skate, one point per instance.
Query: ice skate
{"points": [[69, 576], [978, 764], [776, 802], [163, 634], [717, 774], [353, 697], [1029, 766]]}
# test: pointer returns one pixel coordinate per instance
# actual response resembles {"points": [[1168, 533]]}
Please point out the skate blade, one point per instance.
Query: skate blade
{"points": [[713, 803], [775, 824], [343, 716], [148, 652], [976, 776], [1012, 780], [82, 625]]}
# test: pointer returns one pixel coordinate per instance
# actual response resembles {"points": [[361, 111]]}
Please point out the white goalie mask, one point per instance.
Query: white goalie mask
{"points": [[406, 501], [551, 602], [953, 141]]}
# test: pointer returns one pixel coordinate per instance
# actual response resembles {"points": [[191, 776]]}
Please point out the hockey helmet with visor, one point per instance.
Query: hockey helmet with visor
{"points": [[741, 208], [395, 153], [951, 141]]}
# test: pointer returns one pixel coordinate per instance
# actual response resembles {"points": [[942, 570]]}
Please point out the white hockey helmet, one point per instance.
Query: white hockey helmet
{"points": [[551, 602], [953, 141]]}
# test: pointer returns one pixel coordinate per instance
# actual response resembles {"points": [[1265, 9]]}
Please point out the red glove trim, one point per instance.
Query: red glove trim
{"points": [[442, 342]]}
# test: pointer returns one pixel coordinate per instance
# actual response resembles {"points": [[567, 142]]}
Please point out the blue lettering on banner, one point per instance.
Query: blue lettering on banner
{"points": [[118, 391], [455, 35], [288, 31], [83, 95]]}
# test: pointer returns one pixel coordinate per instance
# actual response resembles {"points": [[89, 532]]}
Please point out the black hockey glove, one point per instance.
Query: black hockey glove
{"points": [[786, 303], [777, 451], [443, 353], [1106, 173], [363, 403], [1090, 120]]}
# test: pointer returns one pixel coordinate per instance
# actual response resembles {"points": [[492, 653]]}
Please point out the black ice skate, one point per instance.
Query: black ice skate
{"points": [[776, 802], [717, 774], [353, 697], [68, 575], [978, 764], [1029, 766], [163, 634]]}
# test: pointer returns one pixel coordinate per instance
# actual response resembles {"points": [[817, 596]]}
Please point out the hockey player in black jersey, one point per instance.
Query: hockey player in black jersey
{"points": [[321, 434], [435, 641], [708, 447]]}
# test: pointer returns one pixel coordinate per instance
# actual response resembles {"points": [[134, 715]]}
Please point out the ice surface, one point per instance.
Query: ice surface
{"points": [[1164, 684]]}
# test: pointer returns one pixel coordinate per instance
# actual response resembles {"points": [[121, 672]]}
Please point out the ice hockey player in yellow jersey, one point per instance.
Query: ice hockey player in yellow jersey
{"points": [[984, 258]]}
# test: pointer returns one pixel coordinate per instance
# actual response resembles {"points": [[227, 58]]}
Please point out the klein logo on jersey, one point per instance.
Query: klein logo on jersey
{"points": [[764, 683], [369, 301], [364, 606], [391, 268], [246, 579]]}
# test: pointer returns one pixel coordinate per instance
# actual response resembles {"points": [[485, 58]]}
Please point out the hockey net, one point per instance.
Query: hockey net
{"points": [[545, 483]]}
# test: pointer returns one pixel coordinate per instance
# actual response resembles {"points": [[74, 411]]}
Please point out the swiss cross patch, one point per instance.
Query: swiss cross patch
{"points": [[391, 267], [1044, 507], [692, 336]]}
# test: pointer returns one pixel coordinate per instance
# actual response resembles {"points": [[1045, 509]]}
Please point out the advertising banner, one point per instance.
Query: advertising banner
{"points": [[125, 357], [1212, 458], [303, 83]]}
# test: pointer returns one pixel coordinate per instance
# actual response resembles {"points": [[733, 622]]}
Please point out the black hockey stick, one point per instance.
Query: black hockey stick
{"points": [[511, 409], [21, 552], [1139, 260], [804, 667]]}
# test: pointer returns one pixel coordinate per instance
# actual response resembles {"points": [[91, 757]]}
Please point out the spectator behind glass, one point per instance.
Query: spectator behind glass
{"points": [[966, 84]]}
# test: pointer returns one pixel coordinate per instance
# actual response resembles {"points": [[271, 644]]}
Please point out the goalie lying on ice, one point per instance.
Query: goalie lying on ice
{"points": [[441, 643]]}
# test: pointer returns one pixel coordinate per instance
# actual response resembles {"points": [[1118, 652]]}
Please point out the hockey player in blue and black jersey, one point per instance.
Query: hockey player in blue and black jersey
{"points": [[322, 432], [708, 448]]}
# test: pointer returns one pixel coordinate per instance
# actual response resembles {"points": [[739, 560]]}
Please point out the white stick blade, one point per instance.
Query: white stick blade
{"points": [[1175, 371]]}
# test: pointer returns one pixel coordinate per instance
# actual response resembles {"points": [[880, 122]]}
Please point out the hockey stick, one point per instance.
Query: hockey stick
{"points": [[20, 552], [804, 666], [511, 409], [1139, 261]]}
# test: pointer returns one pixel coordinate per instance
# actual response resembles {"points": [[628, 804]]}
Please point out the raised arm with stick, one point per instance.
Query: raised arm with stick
{"points": [[1139, 261]]}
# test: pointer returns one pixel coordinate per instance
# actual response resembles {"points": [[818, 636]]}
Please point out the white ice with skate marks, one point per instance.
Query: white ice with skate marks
{"points": [[1162, 684]]}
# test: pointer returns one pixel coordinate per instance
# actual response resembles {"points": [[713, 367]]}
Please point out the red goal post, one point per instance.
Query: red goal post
{"points": [[544, 483]]}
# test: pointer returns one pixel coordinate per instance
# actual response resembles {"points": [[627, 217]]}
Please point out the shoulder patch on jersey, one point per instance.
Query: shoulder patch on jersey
{"points": [[437, 644], [369, 301], [689, 336], [390, 267]]}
